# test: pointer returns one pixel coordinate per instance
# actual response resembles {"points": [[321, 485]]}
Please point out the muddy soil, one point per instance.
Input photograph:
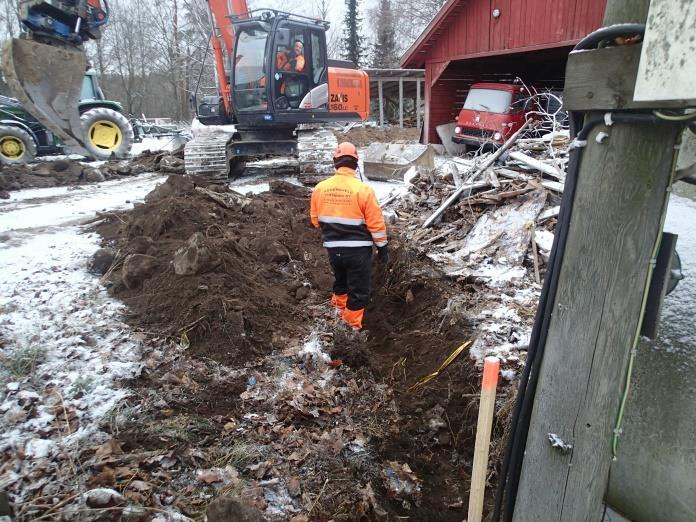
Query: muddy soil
{"points": [[364, 136], [68, 172], [237, 286], [258, 265]]}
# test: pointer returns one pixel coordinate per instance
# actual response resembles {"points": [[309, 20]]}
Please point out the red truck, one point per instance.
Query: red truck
{"points": [[491, 113]]}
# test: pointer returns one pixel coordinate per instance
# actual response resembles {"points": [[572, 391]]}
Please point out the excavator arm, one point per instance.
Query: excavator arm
{"points": [[44, 68]]}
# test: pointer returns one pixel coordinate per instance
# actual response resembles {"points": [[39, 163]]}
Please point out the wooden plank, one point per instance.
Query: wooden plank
{"points": [[479, 471], [418, 103], [401, 103], [482, 168], [604, 79], [381, 103], [617, 212]]}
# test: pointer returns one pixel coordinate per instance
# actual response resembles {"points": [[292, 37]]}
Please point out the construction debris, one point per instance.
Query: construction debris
{"points": [[495, 229]]}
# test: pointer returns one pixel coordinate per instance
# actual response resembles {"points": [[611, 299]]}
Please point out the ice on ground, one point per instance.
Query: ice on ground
{"points": [[64, 346], [55, 206], [544, 239], [165, 143], [260, 183]]}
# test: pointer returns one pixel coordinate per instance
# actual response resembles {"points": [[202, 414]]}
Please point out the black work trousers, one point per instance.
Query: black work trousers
{"points": [[351, 268]]}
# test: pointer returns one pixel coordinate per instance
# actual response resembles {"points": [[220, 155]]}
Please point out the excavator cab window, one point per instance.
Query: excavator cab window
{"points": [[299, 67], [249, 71]]}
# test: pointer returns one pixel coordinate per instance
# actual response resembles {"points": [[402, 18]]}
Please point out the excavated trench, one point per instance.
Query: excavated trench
{"points": [[232, 284]]}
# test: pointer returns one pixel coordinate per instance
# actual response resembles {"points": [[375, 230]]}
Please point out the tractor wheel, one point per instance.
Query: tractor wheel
{"points": [[108, 133], [16, 146]]}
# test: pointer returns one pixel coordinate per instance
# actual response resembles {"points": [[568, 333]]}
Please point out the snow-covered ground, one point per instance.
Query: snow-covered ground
{"points": [[63, 346]]}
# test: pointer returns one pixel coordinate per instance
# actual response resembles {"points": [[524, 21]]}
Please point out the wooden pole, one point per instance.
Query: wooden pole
{"points": [[620, 199], [401, 103], [418, 102], [381, 103], [491, 367]]}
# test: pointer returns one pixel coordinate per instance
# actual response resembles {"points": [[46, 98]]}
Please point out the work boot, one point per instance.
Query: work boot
{"points": [[339, 301], [353, 318]]}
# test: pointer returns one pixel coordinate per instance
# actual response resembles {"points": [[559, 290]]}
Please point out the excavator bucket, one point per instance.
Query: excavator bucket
{"points": [[390, 161], [47, 81]]}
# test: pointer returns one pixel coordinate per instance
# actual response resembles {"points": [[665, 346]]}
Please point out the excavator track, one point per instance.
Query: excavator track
{"points": [[47, 80], [207, 155], [315, 149]]}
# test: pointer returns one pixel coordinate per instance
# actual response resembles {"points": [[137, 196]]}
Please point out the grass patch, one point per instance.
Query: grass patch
{"points": [[179, 428], [239, 455], [82, 385], [22, 362]]}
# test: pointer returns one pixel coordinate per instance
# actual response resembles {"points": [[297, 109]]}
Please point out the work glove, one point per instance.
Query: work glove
{"points": [[383, 254]]}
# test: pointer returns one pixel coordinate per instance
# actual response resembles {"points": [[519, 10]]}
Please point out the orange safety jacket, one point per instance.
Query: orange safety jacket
{"points": [[347, 212]]}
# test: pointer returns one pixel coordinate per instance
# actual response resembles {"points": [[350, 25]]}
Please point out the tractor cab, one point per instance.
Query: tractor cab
{"points": [[279, 68]]}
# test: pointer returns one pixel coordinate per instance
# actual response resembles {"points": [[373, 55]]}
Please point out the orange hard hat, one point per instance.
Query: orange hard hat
{"points": [[346, 149]]}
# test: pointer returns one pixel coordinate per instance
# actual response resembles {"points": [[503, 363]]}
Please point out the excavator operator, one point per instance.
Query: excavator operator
{"points": [[291, 60], [351, 221]]}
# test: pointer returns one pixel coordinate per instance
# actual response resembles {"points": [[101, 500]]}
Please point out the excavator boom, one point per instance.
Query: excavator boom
{"points": [[44, 71]]}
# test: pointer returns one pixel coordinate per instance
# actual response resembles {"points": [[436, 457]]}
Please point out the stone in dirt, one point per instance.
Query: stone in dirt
{"points": [[103, 498], [92, 175], [196, 257], [226, 509], [101, 261], [137, 268], [171, 164]]}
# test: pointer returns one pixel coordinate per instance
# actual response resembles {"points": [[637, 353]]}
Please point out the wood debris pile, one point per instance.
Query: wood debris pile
{"points": [[497, 233]]}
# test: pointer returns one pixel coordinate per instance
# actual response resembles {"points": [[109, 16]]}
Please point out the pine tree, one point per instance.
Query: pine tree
{"points": [[353, 47], [385, 54]]}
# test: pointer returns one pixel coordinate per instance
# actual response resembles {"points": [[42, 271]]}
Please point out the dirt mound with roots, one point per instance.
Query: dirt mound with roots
{"points": [[311, 419], [216, 270]]}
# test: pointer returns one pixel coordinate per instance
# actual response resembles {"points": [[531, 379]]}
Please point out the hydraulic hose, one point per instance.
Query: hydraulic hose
{"points": [[511, 468], [607, 33]]}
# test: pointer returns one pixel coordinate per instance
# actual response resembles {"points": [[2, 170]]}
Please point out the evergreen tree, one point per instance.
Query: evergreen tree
{"points": [[353, 47], [385, 55]]}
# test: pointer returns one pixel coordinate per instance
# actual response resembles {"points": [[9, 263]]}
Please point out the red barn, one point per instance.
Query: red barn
{"points": [[496, 40]]}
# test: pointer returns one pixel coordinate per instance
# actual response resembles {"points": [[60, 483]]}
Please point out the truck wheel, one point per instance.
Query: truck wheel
{"points": [[108, 133], [16, 146]]}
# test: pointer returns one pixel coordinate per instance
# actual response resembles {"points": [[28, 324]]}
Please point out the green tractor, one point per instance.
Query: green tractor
{"points": [[107, 132]]}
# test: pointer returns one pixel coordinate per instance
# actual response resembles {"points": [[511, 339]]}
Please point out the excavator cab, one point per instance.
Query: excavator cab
{"points": [[275, 82], [281, 74]]}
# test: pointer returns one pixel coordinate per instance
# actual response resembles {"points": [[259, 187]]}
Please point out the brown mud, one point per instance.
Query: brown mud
{"points": [[68, 172], [237, 388], [364, 136]]}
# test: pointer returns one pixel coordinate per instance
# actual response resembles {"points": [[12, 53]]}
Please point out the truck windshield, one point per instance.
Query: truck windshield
{"points": [[249, 75], [488, 100]]}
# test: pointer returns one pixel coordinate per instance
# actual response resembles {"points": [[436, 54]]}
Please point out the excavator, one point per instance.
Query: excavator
{"points": [[276, 85]]}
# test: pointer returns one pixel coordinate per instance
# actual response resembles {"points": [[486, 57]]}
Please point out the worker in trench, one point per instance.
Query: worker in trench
{"points": [[351, 222]]}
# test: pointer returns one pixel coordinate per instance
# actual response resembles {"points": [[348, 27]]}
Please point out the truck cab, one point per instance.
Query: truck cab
{"points": [[491, 113]]}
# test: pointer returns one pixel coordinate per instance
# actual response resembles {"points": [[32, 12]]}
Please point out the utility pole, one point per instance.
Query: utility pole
{"points": [[617, 216]]}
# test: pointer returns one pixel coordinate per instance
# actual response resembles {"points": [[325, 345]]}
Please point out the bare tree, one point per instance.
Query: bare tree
{"points": [[411, 18], [9, 19]]}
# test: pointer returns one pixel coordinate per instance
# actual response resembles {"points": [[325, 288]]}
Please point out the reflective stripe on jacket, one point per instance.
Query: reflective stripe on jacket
{"points": [[347, 212]]}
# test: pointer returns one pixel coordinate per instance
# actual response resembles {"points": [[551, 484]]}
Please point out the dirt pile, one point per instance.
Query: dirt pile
{"points": [[216, 269], [364, 136], [64, 172], [262, 394]]}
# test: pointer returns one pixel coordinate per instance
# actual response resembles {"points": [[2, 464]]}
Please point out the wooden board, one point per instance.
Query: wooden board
{"points": [[605, 79]]}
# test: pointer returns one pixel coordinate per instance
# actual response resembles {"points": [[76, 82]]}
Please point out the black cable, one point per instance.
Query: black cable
{"points": [[511, 468], [607, 33]]}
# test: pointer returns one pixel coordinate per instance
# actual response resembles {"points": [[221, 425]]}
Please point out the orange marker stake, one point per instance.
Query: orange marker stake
{"points": [[491, 368]]}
